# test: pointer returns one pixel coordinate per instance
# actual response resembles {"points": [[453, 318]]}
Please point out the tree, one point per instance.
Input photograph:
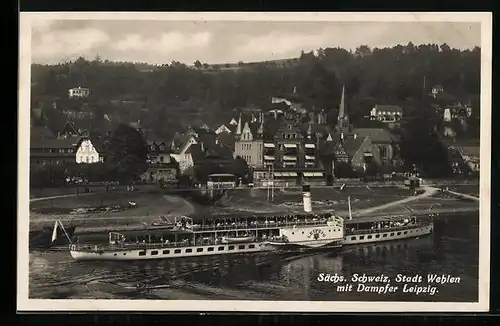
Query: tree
{"points": [[128, 153], [198, 64]]}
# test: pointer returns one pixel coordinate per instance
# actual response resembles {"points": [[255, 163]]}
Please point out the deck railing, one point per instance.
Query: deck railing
{"points": [[386, 229], [260, 225]]}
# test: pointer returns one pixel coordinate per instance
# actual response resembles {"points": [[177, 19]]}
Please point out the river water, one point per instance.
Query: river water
{"points": [[452, 250]]}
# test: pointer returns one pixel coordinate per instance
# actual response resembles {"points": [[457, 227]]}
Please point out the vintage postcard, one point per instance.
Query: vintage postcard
{"points": [[300, 162]]}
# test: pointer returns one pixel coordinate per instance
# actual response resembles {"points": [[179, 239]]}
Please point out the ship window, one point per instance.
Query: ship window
{"points": [[377, 236], [353, 238], [406, 232], [210, 249], [399, 233], [392, 234], [155, 252], [329, 230], [302, 232], [189, 250], [177, 251], [293, 232], [220, 248], [199, 250], [142, 253], [114, 255], [241, 247], [361, 237], [124, 253], [369, 237], [385, 235], [166, 252], [251, 246], [230, 248]]}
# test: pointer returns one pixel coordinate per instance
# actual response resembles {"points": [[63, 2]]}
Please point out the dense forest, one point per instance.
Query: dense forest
{"points": [[172, 94]]}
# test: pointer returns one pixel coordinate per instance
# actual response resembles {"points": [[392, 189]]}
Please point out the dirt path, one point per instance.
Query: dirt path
{"points": [[428, 191], [62, 196]]}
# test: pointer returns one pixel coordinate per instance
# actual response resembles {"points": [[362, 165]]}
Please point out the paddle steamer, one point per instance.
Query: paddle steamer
{"points": [[185, 239]]}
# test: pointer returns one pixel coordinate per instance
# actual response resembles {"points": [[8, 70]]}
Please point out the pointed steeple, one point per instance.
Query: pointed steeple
{"points": [[238, 128], [253, 118], [260, 131], [329, 138], [342, 105], [309, 130]]}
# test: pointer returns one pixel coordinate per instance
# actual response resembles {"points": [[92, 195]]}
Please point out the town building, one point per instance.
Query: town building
{"points": [[463, 156], [436, 90], [87, 152], [78, 92], [249, 143], [158, 172], [53, 151], [158, 152], [181, 152], [386, 113], [383, 144]]}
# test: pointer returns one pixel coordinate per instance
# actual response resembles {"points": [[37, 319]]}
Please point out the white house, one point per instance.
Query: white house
{"points": [[222, 129], [447, 115], [386, 113], [79, 92], [87, 153], [438, 89], [183, 155]]}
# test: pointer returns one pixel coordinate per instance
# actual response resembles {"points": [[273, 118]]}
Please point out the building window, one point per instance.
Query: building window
{"points": [[177, 251], [220, 248], [142, 253], [199, 250], [189, 250], [154, 253], [166, 252], [241, 247], [230, 248], [210, 249]]}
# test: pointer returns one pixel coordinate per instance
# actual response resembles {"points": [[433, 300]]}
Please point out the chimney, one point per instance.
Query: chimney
{"points": [[276, 114], [355, 135], [202, 147], [306, 197]]}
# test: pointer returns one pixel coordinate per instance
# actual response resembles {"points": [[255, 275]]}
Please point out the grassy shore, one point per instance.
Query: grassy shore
{"points": [[153, 204]]}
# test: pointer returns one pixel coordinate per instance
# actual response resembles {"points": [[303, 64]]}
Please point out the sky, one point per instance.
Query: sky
{"points": [[159, 42]]}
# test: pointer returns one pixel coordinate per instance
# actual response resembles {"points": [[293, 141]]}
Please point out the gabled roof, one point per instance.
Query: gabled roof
{"points": [[352, 145], [389, 107], [377, 135], [70, 142]]}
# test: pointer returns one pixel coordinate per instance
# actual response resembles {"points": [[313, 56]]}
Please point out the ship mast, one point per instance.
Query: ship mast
{"points": [[349, 203]]}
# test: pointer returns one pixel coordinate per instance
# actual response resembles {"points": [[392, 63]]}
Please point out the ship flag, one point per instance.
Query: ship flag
{"points": [[54, 232]]}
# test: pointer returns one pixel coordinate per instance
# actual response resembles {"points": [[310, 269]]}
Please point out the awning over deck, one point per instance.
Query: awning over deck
{"points": [[268, 145], [289, 158], [313, 174], [285, 174], [290, 145], [268, 158], [310, 157], [310, 146]]}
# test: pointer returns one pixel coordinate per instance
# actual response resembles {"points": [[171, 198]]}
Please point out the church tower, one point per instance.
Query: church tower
{"points": [[343, 119]]}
